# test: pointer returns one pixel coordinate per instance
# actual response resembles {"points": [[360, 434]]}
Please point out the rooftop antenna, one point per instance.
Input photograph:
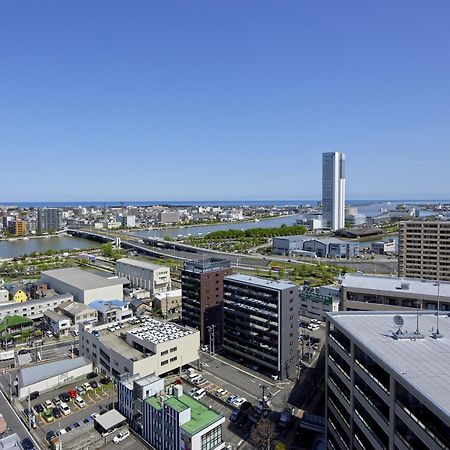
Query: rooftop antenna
{"points": [[398, 322], [436, 334]]}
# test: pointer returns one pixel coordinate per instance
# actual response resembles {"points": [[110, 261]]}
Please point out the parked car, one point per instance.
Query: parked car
{"points": [[105, 380], [80, 390], [198, 380], [220, 392], [49, 436], [121, 437], [199, 394], [238, 402], [56, 401], [72, 393], [48, 404], [91, 375], [193, 391], [107, 433], [38, 408], [80, 402], [27, 444], [27, 412], [86, 387], [231, 399], [48, 416], [34, 395], [64, 396], [94, 384], [65, 409], [56, 412]]}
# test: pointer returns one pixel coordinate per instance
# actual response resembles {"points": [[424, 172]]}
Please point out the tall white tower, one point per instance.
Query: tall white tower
{"points": [[333, 190]]}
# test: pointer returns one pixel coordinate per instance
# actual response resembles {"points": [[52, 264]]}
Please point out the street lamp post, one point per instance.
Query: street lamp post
{"points": [[437, 334]]}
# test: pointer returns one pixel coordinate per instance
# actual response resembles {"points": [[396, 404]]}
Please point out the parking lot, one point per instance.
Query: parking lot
{"points": [[96, 401]]}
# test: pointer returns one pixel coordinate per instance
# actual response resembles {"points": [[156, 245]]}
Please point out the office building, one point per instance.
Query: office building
{"points": [[126, 220], [49, 220], [424, 250], [202, 298], [144, 274], [333, 190], [387, 381], [261, 323], [288, 245], [138, 346], [180, 422], [384, 247], [83, 285], [379, 293], [169, 303], [17, 227], [168, 217]]}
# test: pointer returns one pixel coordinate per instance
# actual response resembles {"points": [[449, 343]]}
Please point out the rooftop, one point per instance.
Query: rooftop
{"points": [[423, 364], [411, 286], [31, 375], [201, 416], [75, 308], [55, 316], [106, 305], [206, 265], [81, 279], [141, 263], [261, 282], [157, 332], [110, 419]]}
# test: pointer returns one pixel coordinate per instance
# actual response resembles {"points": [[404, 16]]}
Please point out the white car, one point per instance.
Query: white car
{"points": [[316, 321], [199, 394], [313, 327], [80, 402], [237, 403], [193, 391], [198, 380], [86, 387], [64, 407], [121, 437]]}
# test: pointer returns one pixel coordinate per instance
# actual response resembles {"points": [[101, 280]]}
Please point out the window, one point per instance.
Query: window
{"points": [[212, 439], [163, 363], [173, 349], [173, 359], [164, 352]]}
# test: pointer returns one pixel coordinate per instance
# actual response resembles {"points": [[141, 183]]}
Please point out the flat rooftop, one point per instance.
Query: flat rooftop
{"points": [[424, 364], [393, 285], [141, 263], [261, 282], [157, 332], [81, 279], [201, 416]]}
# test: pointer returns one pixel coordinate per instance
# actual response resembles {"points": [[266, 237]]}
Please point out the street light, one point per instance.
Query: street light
{"points": [[437, 335]]}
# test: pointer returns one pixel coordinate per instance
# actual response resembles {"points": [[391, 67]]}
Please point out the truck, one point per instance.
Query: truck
{"points": [[7, 355]]}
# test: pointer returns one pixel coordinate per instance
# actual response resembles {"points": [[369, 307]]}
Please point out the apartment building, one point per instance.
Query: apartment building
{"points": [[138, 346], [387, 382], [17, 227], [202, 283], [315, 302], [424, 250], [380, 293], [49, 219], [261, 323], [144, 274]]}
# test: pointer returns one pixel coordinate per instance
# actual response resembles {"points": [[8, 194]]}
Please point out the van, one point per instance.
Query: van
{"points": [[199, 394], [191, 373]]}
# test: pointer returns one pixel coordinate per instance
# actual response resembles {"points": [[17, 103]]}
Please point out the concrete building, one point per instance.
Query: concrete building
{"points": [[77, 312], [17, 227], [49, 220], [168, 217], [353, 217], [4, 295], [126, 220], [387, 386], [132, 391], [424, 250], [112, 310], [287, 245], [315, 303], [49, 376], [261, 323], [10, 442], [169, 303], [57, 323], [379, 293], [83, 285], [333, 190], [152, 347], [384, 247], [144, 274], [33, 309], [202, 298], [189, 423], [331, 248]]}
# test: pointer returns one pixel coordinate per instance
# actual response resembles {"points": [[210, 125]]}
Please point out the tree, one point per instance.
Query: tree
{"points": [[263, 434]]}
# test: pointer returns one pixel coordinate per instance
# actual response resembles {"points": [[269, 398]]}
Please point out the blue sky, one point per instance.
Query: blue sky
{"points": [[183, 100]]}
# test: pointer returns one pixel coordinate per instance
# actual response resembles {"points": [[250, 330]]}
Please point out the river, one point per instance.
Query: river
{"points": [[205, 229], [12, 249]]}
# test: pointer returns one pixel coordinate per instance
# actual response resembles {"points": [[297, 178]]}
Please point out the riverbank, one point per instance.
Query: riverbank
{"points": [[26, 238]]}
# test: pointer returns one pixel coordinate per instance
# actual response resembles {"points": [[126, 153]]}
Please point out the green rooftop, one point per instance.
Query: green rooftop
{"points": [[201, 415], [14, 321]]}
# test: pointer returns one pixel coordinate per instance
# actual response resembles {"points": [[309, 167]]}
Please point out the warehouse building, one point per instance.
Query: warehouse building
{"points": [[139, 346], [45, 377], [387, 381], [83, 285], [144, 274]]}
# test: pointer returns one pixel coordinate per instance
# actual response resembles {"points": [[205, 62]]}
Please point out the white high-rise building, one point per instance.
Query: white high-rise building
{"points": [[333, 190]]}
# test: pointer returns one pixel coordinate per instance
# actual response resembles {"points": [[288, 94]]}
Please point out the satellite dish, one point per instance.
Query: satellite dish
{"points": [[399, 321]]}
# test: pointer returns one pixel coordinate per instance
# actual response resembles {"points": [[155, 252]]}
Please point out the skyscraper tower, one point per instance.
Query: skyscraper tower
{"points": [[333, 190]]}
